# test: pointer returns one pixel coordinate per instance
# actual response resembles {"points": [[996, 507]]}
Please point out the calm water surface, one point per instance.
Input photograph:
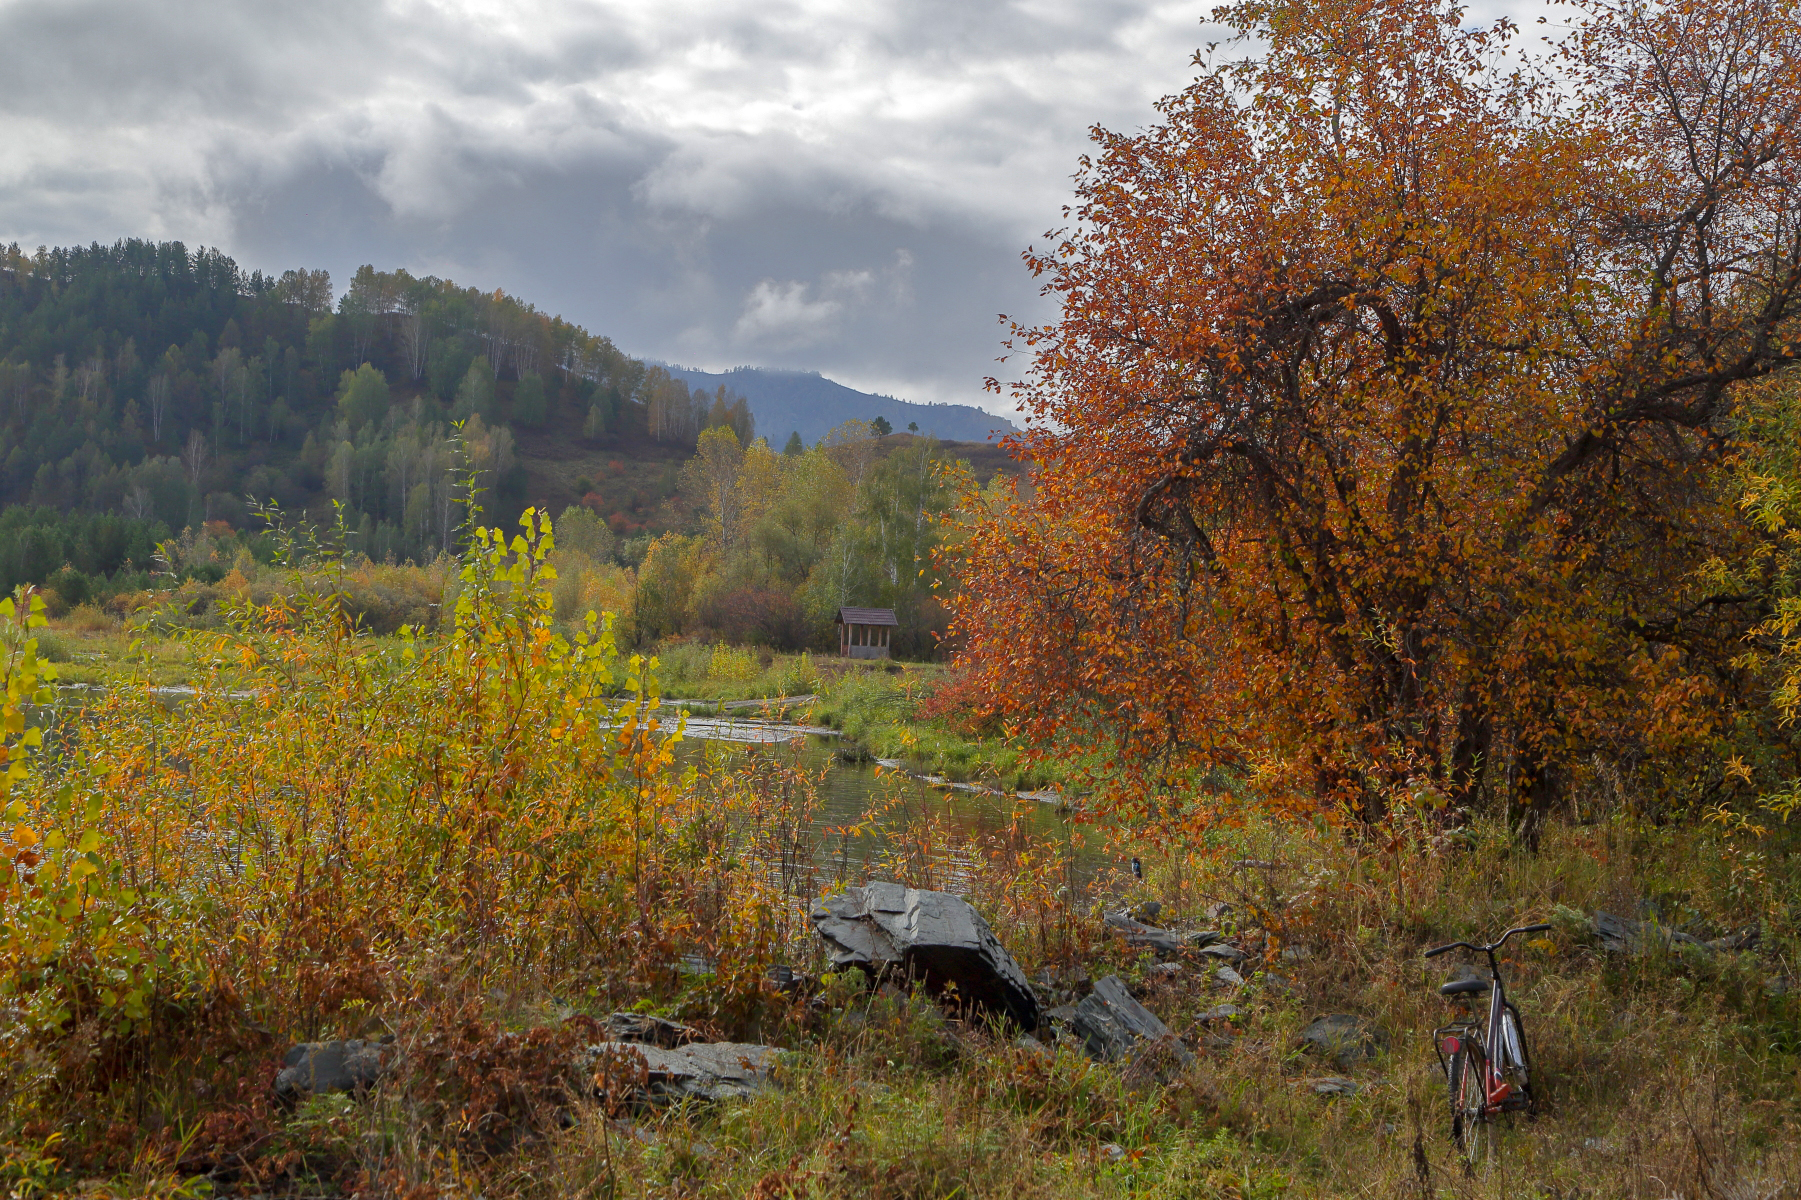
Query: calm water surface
{"points": [[866, 816]]}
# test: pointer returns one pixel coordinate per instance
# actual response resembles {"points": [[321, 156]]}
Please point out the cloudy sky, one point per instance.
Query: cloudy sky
{"points": [[840, 185]]}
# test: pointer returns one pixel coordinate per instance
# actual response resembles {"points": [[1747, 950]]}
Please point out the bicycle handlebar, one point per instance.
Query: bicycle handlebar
{"points": [[1491, 947]]}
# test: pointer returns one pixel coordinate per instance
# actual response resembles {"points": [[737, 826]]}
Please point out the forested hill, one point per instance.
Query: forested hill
{"points": [[163, 385], [807, 403]]}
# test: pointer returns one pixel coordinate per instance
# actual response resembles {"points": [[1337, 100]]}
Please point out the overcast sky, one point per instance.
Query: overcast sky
{"points": [[839, 185]]}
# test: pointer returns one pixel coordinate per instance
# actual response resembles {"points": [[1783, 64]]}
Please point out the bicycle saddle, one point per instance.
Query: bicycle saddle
{"points": [[1464, 987]]}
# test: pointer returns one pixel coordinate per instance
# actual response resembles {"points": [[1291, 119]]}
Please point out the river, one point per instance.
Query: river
{"points": [[860, 817]]}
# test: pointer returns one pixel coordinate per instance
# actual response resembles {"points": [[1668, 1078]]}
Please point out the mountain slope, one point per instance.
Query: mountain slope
{"points": [[807, 403], [152, 388]]}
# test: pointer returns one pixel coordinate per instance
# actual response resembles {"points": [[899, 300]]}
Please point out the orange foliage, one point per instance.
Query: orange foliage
{"points": [[1376, 446]]}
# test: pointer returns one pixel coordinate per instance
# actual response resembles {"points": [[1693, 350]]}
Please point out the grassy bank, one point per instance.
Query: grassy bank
{"points": [[1661, 1074]]}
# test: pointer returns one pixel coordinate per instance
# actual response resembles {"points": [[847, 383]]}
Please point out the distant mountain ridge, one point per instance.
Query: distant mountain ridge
{"points": [[806, 402]]}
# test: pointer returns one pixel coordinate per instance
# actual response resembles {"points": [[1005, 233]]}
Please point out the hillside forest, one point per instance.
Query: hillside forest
{"points": [[146, 390]]}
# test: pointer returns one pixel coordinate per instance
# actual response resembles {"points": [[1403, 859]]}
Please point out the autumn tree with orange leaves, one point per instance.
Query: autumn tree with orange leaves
{"points": [[1377, 450]]}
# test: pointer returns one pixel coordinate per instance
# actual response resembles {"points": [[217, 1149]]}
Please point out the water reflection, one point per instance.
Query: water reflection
{"points": [[864, 820]]}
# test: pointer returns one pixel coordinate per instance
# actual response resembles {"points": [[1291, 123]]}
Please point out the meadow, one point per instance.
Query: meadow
{"points": [[472, 839]]}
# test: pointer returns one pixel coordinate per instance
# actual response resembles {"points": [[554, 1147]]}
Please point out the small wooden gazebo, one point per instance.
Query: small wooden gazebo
{"points": [[863, 632]]}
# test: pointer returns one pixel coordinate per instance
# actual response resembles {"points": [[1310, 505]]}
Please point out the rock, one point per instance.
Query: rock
{"points": [[1223, 950], [1462, 972], [1026, 1041], [1220, 1012], [1621, 935], [316, 1068], [696, 1071], [1343, 1038], [1147, 912], [648, 1030], [695, 964], [789, 982], [1167, 941], [933, 937], [1137, 933], [1114, 1027], [1335, 1085], [1227, 977], [1295, 954], [1742, 939]]}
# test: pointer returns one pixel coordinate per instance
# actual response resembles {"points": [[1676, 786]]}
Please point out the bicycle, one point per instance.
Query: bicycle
{"points": [[1486, 1064]]}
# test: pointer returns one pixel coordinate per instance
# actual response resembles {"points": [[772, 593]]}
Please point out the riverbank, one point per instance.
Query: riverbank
{"points": [[881, 710]]}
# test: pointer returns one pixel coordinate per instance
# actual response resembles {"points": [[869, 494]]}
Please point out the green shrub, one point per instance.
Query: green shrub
{"points": [[734, 664]]}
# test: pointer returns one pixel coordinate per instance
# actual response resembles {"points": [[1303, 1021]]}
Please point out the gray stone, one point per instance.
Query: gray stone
{"points": [[317, 1068], [1621, 935], [1220, 1012], [1335, 1085], [1343, 1038], [1227, 977], [1462, 973], [1743, 939], [1166, 941], [789, 982], [696, 1071], [1137, 933], [1223, 950], [1114, 1027], [1147, 912], [648, 1030], [933, 937]]}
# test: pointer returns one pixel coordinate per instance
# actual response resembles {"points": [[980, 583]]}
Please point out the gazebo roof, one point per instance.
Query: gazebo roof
{"points": [[867, 616]]}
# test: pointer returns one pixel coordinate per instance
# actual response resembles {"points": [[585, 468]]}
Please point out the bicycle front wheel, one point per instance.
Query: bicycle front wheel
{"points": [[1520, 1064], [1470, 1126]]}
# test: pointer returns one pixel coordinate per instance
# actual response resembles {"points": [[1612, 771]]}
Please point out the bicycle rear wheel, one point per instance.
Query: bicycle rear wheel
{"points": [[1470, 1126]]}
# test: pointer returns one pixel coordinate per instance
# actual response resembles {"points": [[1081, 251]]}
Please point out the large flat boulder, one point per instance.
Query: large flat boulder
{"points": [[933, 937]]}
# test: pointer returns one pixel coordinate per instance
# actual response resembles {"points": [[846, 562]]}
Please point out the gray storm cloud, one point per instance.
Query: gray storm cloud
{"points": [[842, 185]]}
